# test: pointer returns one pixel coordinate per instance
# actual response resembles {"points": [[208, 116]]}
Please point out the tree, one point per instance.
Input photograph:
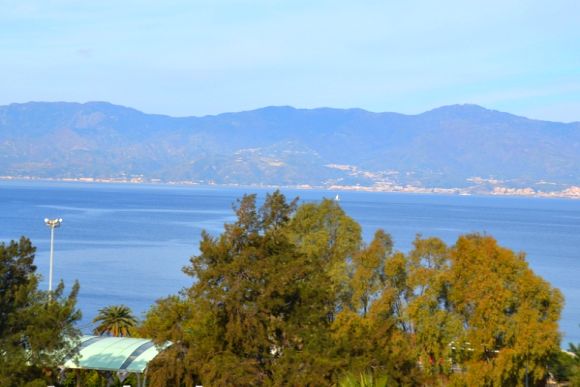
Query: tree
{"points": [[573, 370], [432, 323], [37, 333], [328, 236], [259, 308], [370, 336], [509, 314], [369, 271], [363, 380], [290, 295], [115, 320], [175, 319]]}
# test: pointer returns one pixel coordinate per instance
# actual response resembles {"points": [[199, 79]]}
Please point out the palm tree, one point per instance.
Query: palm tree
{"points": [[114, 320], [365, 379]]}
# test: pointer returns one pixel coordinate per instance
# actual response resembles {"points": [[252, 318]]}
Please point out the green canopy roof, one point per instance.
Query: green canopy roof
{"points": [[114, 354]]}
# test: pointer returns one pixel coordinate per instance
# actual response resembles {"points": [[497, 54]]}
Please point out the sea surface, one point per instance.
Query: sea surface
{"points": [[126, 244]]}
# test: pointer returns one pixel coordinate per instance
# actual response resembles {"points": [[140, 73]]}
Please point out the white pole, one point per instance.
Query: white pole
{"points": [[52, 223], [51, 260]]}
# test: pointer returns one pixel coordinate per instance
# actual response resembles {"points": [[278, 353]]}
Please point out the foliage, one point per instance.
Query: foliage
{"points": [[565, 365], [115, 320], [574, 370], [330, 238], [253, 279], [366, 379], [509, 315], [94, 378], [290, 295], [429, 318], [174, 319], [36, 332]]}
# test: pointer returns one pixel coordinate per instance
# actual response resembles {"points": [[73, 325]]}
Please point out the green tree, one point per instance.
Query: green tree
{"points": [[564, 366], [36, 333], [371, 337], [432, 323], [363, 380], [176, 319], [259, 309], [369, 271], [328, 236], [115, 320], [574, 365]]}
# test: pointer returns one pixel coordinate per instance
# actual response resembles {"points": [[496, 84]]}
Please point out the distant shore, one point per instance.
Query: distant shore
{"points": [[572, 192]]}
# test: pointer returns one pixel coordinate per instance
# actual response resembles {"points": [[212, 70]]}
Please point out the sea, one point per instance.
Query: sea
{"points": [[127, 243]]}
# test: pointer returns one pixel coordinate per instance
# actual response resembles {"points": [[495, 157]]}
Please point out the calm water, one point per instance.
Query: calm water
{"points": [[127, 244]]}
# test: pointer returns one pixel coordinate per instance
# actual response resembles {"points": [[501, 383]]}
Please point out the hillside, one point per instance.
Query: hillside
{"points": [[463, 146]]}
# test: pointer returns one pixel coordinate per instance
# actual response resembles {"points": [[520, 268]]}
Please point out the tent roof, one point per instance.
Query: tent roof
{"points": [[114, 353]]}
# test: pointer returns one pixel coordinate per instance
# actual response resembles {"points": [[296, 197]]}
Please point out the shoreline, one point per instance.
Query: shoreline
{"points": [[572, 192]]}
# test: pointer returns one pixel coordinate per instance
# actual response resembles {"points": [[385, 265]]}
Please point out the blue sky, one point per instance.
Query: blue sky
{"points": [[202, 57]]}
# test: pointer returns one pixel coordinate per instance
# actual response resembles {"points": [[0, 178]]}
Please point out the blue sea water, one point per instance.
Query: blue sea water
{"points": [[126, 244]]}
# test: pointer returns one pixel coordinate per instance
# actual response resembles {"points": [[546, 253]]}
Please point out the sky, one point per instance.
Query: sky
{"points": [[202, 57]]}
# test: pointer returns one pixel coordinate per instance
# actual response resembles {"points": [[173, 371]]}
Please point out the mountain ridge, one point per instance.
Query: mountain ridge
{"points": [[463, 146]]}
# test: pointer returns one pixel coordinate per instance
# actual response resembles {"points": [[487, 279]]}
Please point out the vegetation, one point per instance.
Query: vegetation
{"points": [[564, 366], [290, 295], [36, 332], [363, 380], [115, 320]]}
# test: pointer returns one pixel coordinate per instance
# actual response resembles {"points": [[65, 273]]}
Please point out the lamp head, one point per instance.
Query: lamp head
{"points": [[53, 223]]}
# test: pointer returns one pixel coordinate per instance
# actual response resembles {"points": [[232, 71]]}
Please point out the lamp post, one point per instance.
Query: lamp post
{"points": [[52, 223]]}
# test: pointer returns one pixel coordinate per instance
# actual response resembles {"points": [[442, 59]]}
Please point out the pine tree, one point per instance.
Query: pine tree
{"points": [[36, 332], [261, 307]]}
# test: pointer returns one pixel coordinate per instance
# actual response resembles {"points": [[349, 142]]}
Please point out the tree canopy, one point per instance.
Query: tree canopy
{"points": [[291, 295], [115, 320], [36, 331]]}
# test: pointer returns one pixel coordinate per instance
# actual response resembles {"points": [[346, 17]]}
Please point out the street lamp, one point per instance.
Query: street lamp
{"points": [[52, 223]]}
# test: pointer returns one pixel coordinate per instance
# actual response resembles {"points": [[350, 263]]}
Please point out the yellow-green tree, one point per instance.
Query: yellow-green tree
{"points": [[433, 324], [325, 234], [369, 271], [369, 336], [509, 315]]}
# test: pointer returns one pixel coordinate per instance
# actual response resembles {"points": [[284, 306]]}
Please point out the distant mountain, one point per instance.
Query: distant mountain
{"points": [[452, 146]]}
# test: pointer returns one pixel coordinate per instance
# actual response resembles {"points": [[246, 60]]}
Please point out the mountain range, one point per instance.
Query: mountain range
{"points": [[459, 146]]}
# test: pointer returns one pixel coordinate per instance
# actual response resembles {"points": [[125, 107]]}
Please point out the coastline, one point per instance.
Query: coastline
{"points": [[572, 192]]}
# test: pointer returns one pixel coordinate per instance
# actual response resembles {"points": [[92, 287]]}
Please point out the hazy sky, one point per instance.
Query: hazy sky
{"points": [[201, 57]]}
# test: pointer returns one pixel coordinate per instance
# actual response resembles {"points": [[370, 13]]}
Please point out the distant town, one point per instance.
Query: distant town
{"points": [[572, 192]]}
